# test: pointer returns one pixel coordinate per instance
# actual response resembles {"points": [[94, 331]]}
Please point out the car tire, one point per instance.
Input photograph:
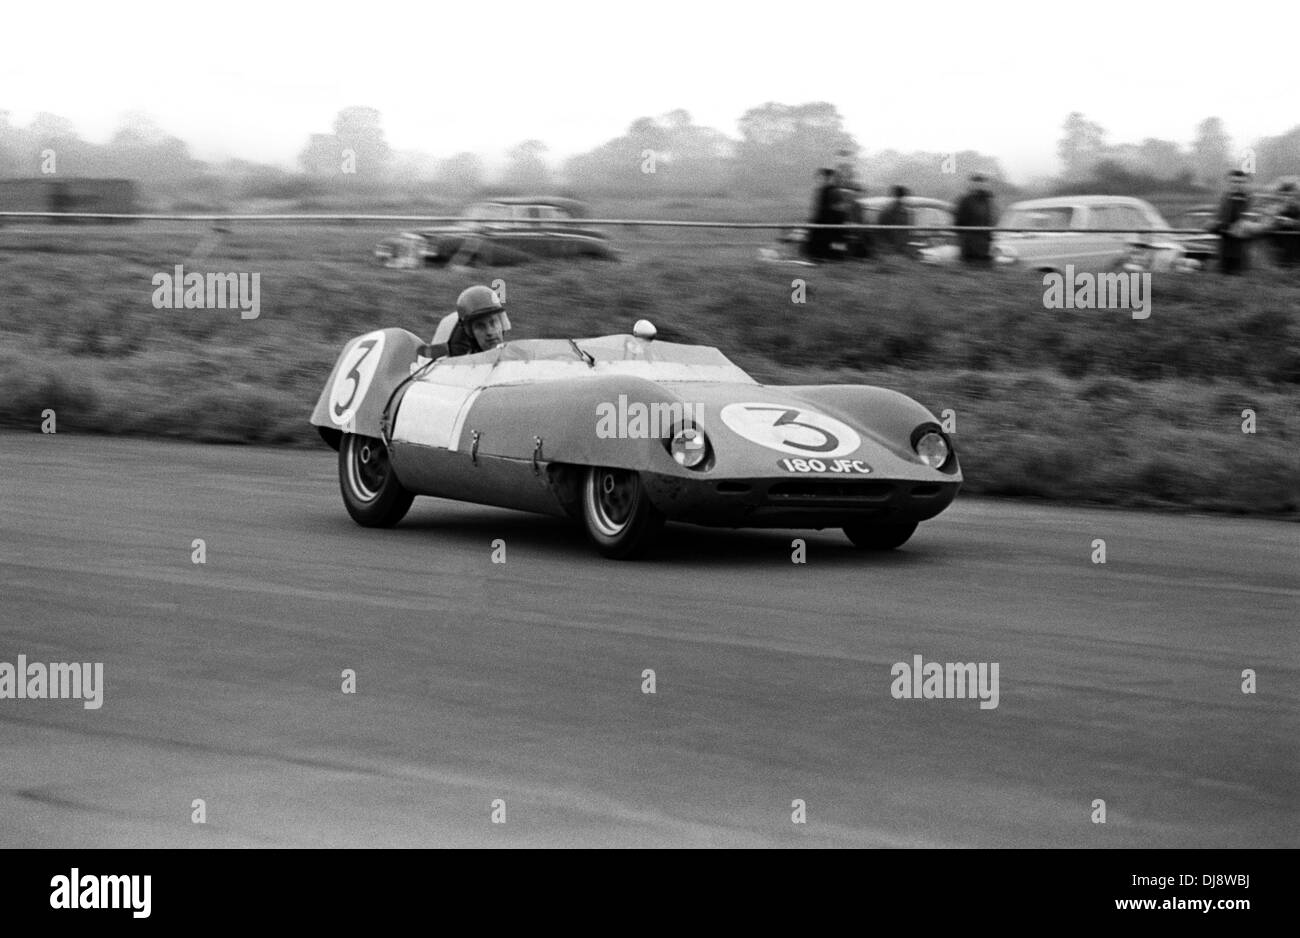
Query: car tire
{"points": [[620, 520], [869, 536], [373, 496]]}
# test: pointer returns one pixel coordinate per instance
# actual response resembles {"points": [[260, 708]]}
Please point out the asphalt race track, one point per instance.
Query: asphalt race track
{"points": [[522, 681]]}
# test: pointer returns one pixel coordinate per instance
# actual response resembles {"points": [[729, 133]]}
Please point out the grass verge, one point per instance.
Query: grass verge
{"points": [[1078, 406]]}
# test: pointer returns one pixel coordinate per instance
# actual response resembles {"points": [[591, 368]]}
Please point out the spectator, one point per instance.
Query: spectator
{"points": [[1286, 227], [1231, 226], [897, 213], [859, 243], [826, 211], [975, 210]]}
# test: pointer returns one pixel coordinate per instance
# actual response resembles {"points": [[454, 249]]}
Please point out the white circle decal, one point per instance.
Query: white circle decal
{"points": [[352, 379], [793, 430]]}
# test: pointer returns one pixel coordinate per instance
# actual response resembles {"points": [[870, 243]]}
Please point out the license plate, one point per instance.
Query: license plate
{"points": [[836, 466]]}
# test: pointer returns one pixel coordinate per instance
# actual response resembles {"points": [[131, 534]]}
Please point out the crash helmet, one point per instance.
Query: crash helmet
{"points": [[478, 302]]}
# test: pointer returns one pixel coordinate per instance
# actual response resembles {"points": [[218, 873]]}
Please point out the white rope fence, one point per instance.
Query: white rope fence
{"points": [[515, 224]]}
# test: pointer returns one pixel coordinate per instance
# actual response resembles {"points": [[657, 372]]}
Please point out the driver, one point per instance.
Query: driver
{"points": [[481, 324]]}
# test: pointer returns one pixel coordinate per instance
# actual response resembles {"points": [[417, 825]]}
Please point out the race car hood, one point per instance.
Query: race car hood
{"points": [[541, 401], [761, 430]]}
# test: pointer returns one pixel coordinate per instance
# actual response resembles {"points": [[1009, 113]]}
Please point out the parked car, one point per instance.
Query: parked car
{"points": [[1132, 235], [1202, 248], [924, 212], [789, 244], [500, 232], [1204, 216]]}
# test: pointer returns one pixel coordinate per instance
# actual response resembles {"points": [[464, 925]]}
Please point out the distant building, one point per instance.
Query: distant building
{"points": [[48, 194]]}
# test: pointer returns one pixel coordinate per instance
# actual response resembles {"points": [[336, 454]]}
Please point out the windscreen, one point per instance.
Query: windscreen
{"points": [[1058, 217], [661, 361], [488, 211], [531, 360]]}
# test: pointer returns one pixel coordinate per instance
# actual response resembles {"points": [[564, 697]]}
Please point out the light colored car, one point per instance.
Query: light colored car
{"points": [[1131, 236]]}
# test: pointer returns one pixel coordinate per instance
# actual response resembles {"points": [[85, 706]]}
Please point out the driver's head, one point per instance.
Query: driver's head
{"points": [[483, 317], [489, 331]]}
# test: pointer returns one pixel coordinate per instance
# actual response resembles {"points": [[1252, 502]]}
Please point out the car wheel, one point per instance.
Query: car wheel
{"points": [[371, 492], [869, 536], [618, 515]]}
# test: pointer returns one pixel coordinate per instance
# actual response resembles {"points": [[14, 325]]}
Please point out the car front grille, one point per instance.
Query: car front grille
{"points": [[814, 491]]}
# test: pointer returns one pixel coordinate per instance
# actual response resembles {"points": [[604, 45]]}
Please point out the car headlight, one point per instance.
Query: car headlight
{"points": [[933, 449], [1005, 254], [689, 447]]}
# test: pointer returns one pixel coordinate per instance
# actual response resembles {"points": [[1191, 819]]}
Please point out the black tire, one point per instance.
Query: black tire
{"points": [[371, 492], [620, 520], [879, 536]]}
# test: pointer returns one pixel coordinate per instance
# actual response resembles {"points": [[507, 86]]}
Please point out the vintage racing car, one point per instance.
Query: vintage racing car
{"points": [[623, 432]]}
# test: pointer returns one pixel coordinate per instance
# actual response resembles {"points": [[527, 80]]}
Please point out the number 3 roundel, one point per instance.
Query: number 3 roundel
{"points": [[791, 430], [352, 380]]}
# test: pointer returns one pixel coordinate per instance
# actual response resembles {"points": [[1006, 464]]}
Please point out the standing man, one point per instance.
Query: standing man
{"points": [[1286, 227], [1230, 225], [859, 242], [975, 210], [826, 211], [897, 213]]}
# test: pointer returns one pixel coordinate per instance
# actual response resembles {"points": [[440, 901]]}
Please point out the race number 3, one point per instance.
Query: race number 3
{"points": [[793, 430], [352, 380]]}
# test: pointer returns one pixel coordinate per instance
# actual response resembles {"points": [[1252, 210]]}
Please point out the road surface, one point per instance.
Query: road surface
{"points": [[521, 683]]}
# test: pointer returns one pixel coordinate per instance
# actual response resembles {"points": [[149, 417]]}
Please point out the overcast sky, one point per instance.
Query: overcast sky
{"points": [[253, 79]]}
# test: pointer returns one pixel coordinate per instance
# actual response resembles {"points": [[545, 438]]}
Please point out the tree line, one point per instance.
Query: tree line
{"points": [[774, 154]]}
